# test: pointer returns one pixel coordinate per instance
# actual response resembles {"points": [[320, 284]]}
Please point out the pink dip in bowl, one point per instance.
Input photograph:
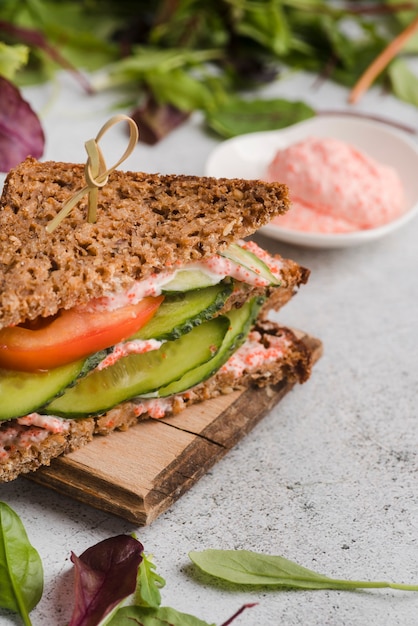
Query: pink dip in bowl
{"points": [[335, 188]]}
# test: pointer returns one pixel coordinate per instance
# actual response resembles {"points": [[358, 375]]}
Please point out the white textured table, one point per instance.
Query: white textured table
{"points": [[329, 478]]}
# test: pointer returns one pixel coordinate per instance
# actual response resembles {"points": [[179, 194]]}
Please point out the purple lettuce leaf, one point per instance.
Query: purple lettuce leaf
{"points": [[21, 133], [105, 574], [155, 121]]}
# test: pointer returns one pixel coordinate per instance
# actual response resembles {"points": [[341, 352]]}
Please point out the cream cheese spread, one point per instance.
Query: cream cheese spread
{"points": [[24, 432], [335, 188], [216, 268], [124, 348]]}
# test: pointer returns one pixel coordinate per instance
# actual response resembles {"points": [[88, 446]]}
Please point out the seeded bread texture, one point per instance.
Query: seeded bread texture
{"points": [[146, 223], [294, 366]]}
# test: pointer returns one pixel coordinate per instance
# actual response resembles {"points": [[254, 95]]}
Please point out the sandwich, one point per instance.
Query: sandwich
{"points": [[161, 302]]}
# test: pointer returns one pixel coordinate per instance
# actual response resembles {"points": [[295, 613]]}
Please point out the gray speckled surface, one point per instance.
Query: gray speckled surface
{"points": [[329, 477]]}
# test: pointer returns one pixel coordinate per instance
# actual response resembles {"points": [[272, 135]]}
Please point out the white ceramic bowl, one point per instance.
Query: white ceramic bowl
{"points": [[247, 156]]}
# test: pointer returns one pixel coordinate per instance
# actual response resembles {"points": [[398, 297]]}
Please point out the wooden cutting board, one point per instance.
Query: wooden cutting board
{"points": [[139, 473]]}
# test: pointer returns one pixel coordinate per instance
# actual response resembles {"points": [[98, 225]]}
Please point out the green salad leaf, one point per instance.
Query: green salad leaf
{"points": [[21, 571], [149, 584], [244, 567], [238, 116]]}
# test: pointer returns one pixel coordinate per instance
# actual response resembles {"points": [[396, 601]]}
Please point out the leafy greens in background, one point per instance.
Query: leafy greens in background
{"points": [[186, 55]]}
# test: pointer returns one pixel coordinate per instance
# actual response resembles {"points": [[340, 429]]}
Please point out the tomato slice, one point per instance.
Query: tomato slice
{"points": [[71, 335]]}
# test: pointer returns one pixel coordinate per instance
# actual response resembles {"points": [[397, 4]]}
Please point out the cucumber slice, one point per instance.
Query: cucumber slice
{"points": [[185, 280], [24, 392], [137, 374], [250, 261], [241, 321], [179, 313]]}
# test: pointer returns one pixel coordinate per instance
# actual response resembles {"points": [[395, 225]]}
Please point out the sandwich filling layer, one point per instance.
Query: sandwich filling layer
{"points": [[190, 335], [266, 357]]}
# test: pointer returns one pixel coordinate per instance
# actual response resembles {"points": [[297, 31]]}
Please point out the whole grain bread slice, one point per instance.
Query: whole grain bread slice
{"points": [[30, 447], [145, 223]]}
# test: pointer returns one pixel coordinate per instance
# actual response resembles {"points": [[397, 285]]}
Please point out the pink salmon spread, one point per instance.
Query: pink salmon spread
{"points": [[335, 188]]}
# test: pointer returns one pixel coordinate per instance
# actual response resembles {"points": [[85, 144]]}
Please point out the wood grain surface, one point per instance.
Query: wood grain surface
{"points": [[139, 473]]}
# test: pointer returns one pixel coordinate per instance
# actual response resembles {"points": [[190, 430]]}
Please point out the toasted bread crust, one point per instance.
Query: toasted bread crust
{"points": [[145, 223]]}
